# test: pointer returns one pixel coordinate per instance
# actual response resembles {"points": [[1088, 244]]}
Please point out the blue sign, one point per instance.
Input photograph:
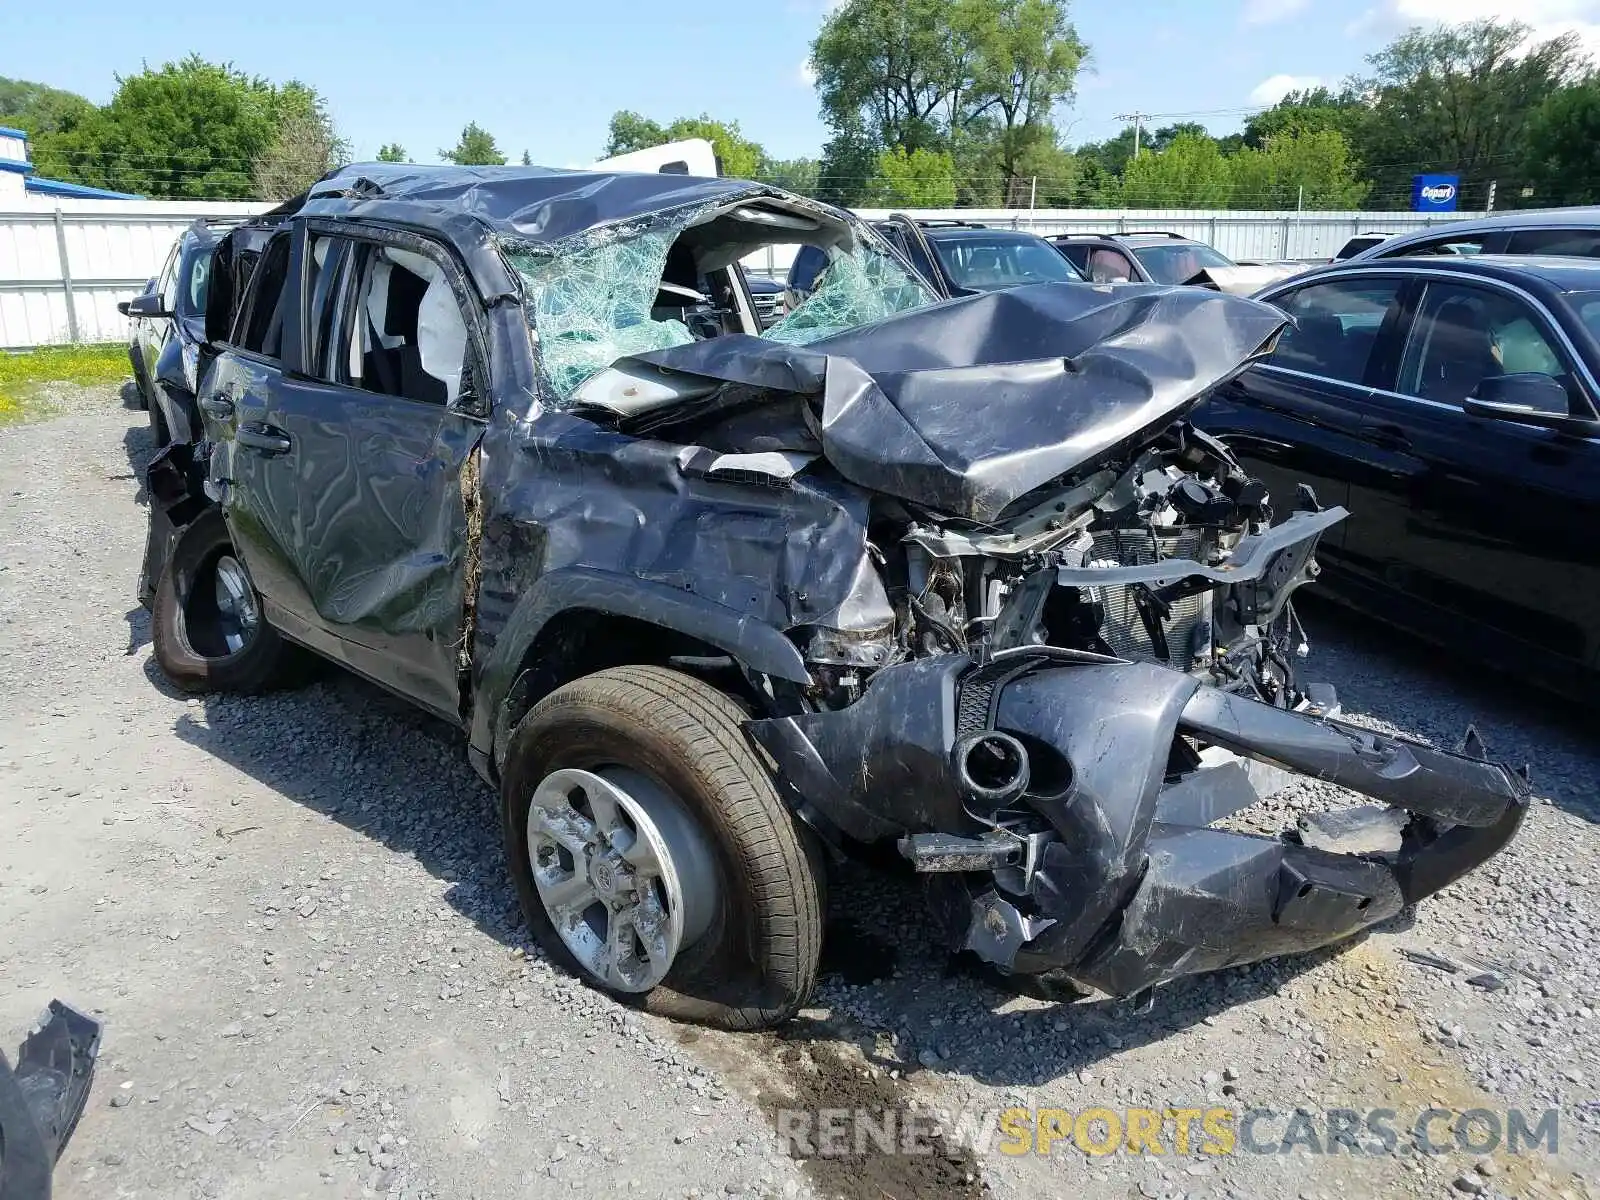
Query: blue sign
{"points": [[1435, 193]]}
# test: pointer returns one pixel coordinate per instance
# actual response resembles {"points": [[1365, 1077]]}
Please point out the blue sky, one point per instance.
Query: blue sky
{"points": [[546, 77]]}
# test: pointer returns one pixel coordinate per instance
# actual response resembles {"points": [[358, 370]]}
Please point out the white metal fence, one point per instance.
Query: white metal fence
{"points": [[64, 264]]}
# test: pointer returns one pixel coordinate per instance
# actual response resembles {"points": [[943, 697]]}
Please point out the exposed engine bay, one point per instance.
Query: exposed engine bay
{"points": [[1158, 558]]}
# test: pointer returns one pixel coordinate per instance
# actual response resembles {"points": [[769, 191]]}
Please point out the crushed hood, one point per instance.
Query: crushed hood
{"points": [[968, 405]]}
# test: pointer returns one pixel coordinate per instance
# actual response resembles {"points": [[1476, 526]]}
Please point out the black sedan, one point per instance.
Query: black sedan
{"points": [[1451, 405]]}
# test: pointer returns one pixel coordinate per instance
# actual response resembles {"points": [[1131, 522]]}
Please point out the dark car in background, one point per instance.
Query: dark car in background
{"points": [[166, 328], [1159, 256], [1568, 232], [1450, 404], [767, 296], [959, 258]]}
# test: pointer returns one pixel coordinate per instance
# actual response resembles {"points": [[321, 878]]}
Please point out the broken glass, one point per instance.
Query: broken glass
{"points": [[592, 307], [854, 289]]}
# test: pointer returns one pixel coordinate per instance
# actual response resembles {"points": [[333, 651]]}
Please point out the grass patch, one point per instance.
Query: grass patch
{"points": [[22, 374]]}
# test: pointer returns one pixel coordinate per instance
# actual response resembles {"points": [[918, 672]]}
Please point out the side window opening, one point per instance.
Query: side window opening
{"points": [[406, 335], [1463, 335], [1336, 327], [265, 311]]}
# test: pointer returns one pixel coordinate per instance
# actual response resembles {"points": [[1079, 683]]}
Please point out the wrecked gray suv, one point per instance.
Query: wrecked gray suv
{"points": [[716, 605]]}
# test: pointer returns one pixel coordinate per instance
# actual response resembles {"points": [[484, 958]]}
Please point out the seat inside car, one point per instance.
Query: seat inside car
{"points": [[1458, 353], [416, 337]]}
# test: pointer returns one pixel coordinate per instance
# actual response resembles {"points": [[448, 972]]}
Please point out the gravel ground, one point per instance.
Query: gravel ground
{"points": [[292, 914]]}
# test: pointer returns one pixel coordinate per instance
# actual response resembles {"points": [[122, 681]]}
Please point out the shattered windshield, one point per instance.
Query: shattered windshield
{"points": [[857, 288], [595, 305]]}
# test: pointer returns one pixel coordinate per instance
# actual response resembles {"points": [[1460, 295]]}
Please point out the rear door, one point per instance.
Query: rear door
{"points": [[1488, 521], [1296, 417]]}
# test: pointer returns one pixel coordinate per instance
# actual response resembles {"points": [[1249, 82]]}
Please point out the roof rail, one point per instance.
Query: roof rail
{"points": [[1151, 233]]}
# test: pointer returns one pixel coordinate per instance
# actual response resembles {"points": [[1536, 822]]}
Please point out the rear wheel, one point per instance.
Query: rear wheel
{"points": [[653, 856], [207, 628]]}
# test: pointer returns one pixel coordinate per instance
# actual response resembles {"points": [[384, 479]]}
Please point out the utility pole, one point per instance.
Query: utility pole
{"points": [[1138, 119]]}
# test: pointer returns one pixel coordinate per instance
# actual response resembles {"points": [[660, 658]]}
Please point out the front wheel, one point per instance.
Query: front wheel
{"points": [[206, 625], [652, 855]]}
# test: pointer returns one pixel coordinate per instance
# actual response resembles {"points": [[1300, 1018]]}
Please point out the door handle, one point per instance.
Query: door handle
{"points": [[262, 438], [1386, 436], [217, 406]]}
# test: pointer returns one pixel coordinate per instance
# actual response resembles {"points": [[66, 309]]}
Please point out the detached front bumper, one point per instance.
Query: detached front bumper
{"points": [[1106, 862]]}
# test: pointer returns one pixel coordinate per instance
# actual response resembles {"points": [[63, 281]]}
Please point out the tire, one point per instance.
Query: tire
{"points": [[755, 963], [141, 391], [186, 625]]}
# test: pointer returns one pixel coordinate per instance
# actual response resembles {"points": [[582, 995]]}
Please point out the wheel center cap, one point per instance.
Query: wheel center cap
{"points": [[608, 880]]}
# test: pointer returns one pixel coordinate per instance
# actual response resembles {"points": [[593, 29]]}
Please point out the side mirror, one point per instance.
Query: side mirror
{"points": [[147, 305], [1529, 398]]}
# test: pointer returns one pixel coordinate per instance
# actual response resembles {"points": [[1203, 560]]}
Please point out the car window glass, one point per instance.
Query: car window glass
{"points": [[1179, 262], [1462, 334], [265, 310], [1109, 266], [168, 285], [1578, 243], [1459, 244], [1336, 326], [406, 335], [199, 282], [998, 262], [1078, 256]]}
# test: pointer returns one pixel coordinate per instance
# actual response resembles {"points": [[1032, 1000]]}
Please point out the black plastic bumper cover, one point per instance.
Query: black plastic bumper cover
{"points": [[42, 1098], [1135, 886]]}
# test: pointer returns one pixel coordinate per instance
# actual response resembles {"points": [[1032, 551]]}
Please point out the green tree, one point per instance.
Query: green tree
{"points": [[304, 147], [897, 70], [1309, 111], [527, 159], [848, 167], [737, 155], [1314, 169], [630, 131], [918, 179], [189, 129], [1458, 98], [392, 152], [38, 109], [798, 175], [1028, 57], [1563, 146], [476, 148], [1189, 173]]}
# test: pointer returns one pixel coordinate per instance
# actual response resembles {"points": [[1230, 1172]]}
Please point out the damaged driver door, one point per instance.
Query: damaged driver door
{"points": [[356, 457]]}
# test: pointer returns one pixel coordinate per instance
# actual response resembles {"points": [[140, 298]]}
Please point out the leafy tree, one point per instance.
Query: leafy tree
{"points": [[1310, 111], [1315, 169], [392, 152], [475, 149], [630, 132], [1563, 146], [1028, 60], [1189, 173], [738, 156], [918, 179], [189, 129], [849, 165], [895, 70], [1459, 98], [526, 160], [793, 174], [37, 109], [304, 148]]}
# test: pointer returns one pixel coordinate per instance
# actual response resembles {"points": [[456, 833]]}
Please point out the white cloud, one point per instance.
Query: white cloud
{"points": [[1266, 12], [1270, 91], [1548, 18], [806, 76]]}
